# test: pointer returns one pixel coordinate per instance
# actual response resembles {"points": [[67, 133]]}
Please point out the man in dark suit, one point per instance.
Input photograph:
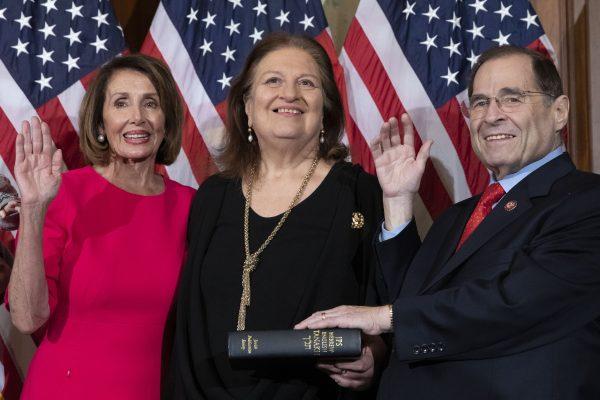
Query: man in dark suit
{"points": [[502, 298]]}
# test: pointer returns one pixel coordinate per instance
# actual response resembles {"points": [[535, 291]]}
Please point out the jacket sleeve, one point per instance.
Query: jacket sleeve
{"points": [[550, 288], [394, 256], [369, 202]]}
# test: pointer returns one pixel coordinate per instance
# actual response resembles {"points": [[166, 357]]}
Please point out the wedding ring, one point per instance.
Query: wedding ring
{"points": [[344, 372], [323, 316]]}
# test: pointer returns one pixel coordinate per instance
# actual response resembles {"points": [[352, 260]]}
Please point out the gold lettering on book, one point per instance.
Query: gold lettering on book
{"points": [[322, 341], [339, 341], [249, 344], [316, 341], [307, 342], [331, 342]]}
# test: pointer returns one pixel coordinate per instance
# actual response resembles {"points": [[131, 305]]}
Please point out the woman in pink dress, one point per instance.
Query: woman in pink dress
{"points": [[100, 248]]}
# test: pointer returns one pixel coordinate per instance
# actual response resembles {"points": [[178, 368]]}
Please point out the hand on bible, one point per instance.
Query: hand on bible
{"points": [[371, 320]]}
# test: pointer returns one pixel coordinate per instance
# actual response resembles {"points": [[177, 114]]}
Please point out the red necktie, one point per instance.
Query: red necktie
{"points": [[490, 196]]}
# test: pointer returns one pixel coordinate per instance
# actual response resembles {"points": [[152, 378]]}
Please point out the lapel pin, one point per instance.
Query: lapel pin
{"points": [[511, 205], [358, 220]]}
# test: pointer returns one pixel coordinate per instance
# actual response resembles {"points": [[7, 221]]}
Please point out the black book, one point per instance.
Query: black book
{"points": [[306, 344]]}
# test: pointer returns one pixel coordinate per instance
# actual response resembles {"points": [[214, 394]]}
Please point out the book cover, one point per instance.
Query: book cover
{"points": [[309, 343]]}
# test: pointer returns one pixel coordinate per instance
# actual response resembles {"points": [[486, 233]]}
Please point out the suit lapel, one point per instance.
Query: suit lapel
{"points": [[538, 183], [415, 278]]}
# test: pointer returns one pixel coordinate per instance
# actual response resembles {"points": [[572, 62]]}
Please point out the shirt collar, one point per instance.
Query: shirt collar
{"points": [[511, 180]]}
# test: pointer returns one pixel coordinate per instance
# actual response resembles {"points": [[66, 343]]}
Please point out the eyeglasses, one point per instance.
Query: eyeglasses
{"points": [[507, 103]]}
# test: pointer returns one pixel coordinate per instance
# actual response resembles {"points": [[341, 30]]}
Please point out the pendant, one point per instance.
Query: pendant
{"points": [[249, 266]]}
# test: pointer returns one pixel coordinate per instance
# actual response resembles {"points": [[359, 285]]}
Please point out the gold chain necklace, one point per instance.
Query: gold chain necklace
{"points": [[251, 260]]}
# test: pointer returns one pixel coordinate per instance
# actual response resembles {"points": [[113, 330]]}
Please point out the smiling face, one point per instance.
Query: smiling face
{"points": [[285, 101], [133, 120], [506, 142]]}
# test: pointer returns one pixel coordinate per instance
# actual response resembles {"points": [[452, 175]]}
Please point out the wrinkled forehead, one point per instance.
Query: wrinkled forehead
{"points": [[290, 60], [510, 72], [129, 80]]}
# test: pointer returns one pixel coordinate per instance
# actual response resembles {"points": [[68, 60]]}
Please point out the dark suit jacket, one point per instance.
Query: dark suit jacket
{"points": [[513, 314]]}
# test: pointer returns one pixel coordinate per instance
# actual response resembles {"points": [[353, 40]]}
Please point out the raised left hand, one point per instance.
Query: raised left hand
{"points": [[358, 374]]}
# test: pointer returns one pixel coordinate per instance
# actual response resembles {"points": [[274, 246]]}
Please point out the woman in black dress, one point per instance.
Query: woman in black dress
{"points": [[283, 231]]}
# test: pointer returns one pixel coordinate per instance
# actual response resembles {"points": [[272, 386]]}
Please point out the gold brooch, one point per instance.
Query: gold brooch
{"points": [[358, 220]]}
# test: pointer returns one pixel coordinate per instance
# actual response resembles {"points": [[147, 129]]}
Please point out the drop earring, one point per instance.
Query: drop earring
{"points": [[250, 137], [322, 136]]}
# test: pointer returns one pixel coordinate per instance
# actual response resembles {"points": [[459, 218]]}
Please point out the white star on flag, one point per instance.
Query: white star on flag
{"points": [[233, 27], [530, 19], [224, 81], [502, 40], [206, 47], [479, 5], [20, 47], [450, 77], [432, 13], [101, 18], [283, 17], [71, 62], [236, 3], [73, 36], [99, 44], [228, 54], [473, 59], [408, 10], [256, 36], [307, 22], [209, 19], [50, 5], [455, 21], [192, 16], [430, 41], [75, 11], [44, 82], [476, 31], [48, 30], [23, 21], [503, 11], [453, 47], [260, 9]]}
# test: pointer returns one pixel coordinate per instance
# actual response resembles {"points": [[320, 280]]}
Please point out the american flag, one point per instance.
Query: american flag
{"points": [[49, 50], [416, 56], [205, 44]]}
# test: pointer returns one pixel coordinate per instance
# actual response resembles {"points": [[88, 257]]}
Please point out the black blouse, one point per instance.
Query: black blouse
{"points": [[316, 261]]}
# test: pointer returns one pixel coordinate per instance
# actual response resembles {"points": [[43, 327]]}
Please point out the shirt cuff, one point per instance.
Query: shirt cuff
{"points": [[386, 235]]}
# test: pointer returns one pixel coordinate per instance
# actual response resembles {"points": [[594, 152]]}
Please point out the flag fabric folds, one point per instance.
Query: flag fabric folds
{"points": [[416, 57], [48, 54]]}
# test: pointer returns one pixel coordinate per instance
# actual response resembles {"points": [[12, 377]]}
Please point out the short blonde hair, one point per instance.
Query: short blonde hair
{"points": [[90, 114]]}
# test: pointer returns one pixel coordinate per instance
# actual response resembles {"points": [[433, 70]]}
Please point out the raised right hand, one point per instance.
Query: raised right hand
{"points": [[399, 168], [38, 164]]}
